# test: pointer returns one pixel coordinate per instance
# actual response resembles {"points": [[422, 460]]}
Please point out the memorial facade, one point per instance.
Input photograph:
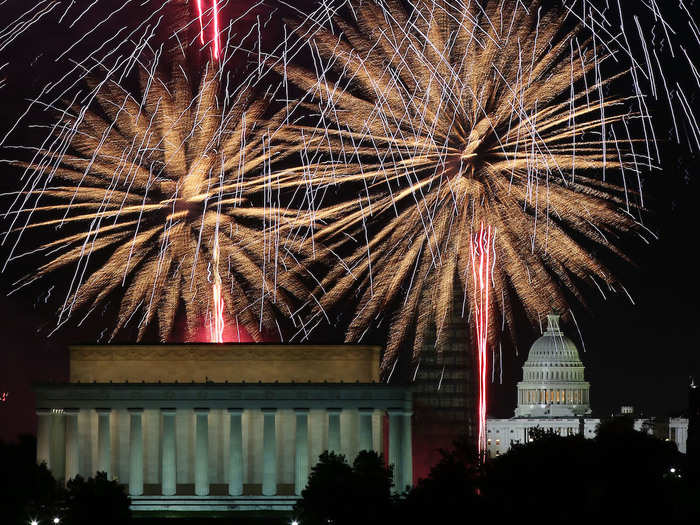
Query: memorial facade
{"points": [[219, 427]]}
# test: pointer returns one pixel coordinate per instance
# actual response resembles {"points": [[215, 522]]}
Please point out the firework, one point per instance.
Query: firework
{"points": [[480, 254], [154, 190], [433, 121], [214, 13]]}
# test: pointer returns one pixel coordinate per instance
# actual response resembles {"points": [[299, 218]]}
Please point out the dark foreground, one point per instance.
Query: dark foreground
{"points": [[620, 475]]}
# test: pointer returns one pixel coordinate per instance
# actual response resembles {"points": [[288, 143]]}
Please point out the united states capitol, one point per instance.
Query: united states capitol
{"points": [[555, 397]]}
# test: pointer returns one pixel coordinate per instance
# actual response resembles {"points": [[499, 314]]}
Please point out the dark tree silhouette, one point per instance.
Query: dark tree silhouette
{"points": [[450, 490], [27, 491], [96, 500], [30, 492], [622, 474], [372, 483], [339, 494]]}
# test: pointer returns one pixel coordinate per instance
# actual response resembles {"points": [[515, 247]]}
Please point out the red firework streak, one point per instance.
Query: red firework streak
{"points": [[215, 23], [216, 325], [480, 251]]}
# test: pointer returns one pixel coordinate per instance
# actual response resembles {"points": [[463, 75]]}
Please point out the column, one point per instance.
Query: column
{"points": [[395, 436], [43, 436], [135, 452], [168, 476], [301, 457], [235, 455], [104, 442], [201, 459], [406, 450], [269, 487], [72, 443], [365, 438], [400, 448], [334, 430]]}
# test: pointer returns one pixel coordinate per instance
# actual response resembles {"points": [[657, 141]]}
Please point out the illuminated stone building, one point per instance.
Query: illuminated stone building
{"points": [[219, 427], [554, 395]]}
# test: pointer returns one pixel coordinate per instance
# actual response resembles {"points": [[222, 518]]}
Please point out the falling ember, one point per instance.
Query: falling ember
{"points": [[480, 252], [216, 326], [215, 23]]}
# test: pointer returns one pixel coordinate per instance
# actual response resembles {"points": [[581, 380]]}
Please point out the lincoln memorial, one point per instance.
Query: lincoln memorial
{"points": [[219, 427]]}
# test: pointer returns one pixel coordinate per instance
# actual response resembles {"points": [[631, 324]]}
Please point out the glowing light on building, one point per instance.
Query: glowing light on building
{"points": [[480, 251]]}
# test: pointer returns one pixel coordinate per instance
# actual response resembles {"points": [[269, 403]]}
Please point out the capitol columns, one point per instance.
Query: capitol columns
{"points": [[235, 456], [201, 459], [301, 444], [104, 441], [365, 429], [72, 443], [269, 485], [135, 452], [168, 475]]}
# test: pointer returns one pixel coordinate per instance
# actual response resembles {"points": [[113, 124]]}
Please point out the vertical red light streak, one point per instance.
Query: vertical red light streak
{"points": [[216, 326], [480, 252], [215, 7], [201, 22], [215, 22]]}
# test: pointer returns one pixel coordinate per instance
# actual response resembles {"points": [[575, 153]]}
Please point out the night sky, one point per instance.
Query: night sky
{"points": [[640, 355]]}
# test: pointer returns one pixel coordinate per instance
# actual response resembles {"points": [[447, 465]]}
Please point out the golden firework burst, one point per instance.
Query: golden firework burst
{"points": [[435, 120], [162, 195]]}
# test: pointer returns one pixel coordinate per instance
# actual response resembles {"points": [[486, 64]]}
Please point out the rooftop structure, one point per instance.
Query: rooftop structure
{"points": [[219, 427], [553, 383]]}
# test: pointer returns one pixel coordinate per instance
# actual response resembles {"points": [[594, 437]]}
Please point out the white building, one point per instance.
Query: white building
{"points": [[678, 432], [554, 395], [219, 427]]}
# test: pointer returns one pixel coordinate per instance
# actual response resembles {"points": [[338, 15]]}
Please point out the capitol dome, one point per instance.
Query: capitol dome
{"points": [[553, 381]]}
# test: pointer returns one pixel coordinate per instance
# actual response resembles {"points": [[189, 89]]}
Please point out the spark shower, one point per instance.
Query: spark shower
{"points": [[373, 165]]}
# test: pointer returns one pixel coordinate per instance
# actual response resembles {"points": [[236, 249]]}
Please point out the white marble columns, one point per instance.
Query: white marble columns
{"points": [[365, 429], [201, 454], [44, 430], [400, 448], [104, 442], [80, 441], [334, 430], [72, 443], [135, 451], [168, 474], [269, 481], [235, 454], [301, 447]]}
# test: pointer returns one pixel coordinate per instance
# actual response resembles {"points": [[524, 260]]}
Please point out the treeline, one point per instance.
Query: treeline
{"points": [[30, 494], [621, 475]]}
